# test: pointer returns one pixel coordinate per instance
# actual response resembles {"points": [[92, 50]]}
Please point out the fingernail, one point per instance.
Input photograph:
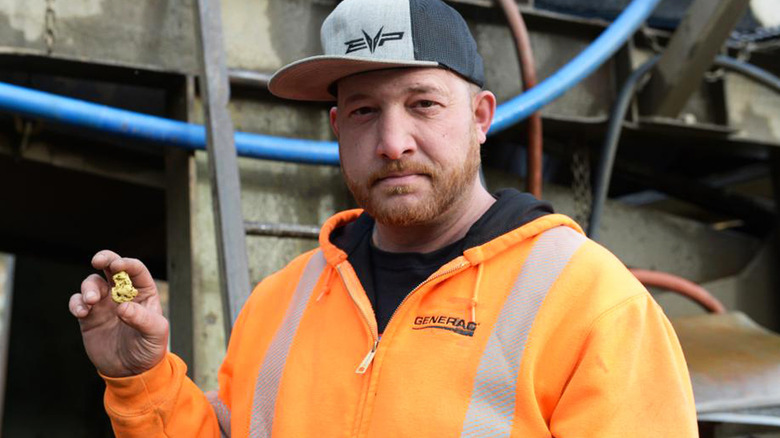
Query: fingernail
{"points": [[81, 310], [90, 295]]}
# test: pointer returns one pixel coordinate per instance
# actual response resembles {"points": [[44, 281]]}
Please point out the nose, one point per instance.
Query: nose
{"points": [[396, 137]]}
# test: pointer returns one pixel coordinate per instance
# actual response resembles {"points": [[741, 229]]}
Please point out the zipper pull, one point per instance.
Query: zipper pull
{"points": [[361, 369]]}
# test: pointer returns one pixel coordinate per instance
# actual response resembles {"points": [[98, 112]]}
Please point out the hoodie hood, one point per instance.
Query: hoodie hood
{"points": [[506, 220], [513, 218]]}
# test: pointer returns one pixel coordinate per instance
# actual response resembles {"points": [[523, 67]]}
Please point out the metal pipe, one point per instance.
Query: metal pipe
{"points": [[102, 118], [525, 55], [249, 78], [281, 230], [681, 286]]}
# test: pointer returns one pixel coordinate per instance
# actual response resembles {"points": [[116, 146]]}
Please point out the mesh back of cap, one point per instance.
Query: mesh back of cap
{"points": [[440, 34]]}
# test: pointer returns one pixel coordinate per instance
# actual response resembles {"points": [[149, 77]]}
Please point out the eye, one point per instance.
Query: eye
{"points": [[363, 111], [426, 104]]}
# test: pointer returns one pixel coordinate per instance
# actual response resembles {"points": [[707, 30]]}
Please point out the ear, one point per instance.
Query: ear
{"points": [[484, 106], [334, 124]]}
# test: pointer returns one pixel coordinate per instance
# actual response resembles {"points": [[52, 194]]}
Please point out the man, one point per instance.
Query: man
{"points": [[439, 310]]}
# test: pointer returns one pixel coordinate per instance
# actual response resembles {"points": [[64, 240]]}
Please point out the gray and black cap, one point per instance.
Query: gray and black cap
{"points": [[365, 35]]}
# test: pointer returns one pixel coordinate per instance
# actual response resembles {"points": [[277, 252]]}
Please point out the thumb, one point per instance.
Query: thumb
{"points": [[148, 323]]}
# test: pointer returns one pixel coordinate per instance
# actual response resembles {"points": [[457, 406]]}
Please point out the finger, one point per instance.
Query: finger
{"points": [[146, 322], [139, 274], [102, 259], [93, 289], [77, 307]]}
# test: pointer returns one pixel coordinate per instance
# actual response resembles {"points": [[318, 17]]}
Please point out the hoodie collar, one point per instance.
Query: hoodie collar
{"points": [[513, 217]]}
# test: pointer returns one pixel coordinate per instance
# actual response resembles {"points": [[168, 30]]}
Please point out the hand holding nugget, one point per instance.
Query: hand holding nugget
{"points": [[123, 328]]}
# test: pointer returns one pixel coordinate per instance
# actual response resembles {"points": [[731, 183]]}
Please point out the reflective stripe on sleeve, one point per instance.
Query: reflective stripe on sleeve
{"points": [[222, 411], [270, 374], [492, 407]]}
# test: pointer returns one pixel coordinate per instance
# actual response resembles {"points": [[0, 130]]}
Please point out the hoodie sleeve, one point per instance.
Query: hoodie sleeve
{"points": [[631, 379], [161, 402]]}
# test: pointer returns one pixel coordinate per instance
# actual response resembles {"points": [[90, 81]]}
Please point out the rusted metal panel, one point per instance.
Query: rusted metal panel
{"points": [[752, 110], [137, 33], [734, 362]]}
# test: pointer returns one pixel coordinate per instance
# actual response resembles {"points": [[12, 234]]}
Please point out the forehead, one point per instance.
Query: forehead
{"points": [[401, 80]]}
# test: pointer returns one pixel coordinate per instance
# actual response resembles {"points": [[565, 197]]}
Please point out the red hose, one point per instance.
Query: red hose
{"points": [[681, 286], [528, 67]]}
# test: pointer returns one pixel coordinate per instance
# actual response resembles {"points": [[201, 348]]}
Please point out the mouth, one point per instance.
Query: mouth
{"points": [[398, 179]]}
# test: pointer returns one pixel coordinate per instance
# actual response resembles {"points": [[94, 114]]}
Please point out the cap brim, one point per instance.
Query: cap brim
{"points": [[311, 78]]}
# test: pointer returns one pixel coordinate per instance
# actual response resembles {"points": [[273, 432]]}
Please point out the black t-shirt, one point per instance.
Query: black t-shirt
{"points": [[396, 274]]}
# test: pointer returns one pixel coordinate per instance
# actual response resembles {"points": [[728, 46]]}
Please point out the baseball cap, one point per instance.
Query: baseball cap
{"points": [[366, 35]]}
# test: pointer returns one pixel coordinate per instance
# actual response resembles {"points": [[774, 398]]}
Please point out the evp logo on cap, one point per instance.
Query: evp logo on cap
{"points": [[372, 43]]}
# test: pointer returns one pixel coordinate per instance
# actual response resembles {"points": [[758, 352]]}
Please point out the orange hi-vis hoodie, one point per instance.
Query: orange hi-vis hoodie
{"points": [[538, 332]]}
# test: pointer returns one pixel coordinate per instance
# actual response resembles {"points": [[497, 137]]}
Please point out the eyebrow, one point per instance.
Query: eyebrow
{"points": [[353, 97], [422, 89], [412, 89]]}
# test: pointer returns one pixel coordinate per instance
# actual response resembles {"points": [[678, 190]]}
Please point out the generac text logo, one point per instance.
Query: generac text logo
{"points": [[444, 322]]}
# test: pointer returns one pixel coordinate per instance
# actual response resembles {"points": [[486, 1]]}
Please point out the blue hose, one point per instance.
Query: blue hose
{"points": [[110, 120], [125, 123], [598, 52]]}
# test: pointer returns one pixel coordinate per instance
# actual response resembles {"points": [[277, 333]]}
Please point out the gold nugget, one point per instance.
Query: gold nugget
{"points": [[123, 290]]}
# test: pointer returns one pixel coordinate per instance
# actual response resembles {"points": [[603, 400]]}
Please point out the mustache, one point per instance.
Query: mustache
{"points": [[398, 166]]}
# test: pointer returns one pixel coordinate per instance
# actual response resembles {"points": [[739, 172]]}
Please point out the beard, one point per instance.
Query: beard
{"points": [[389, 206]]}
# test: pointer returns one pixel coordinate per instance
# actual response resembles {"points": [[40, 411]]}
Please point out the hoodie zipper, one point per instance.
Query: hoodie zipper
{"points": [[369, 358], [372, 332]]}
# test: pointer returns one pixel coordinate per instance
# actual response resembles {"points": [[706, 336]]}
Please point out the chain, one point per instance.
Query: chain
{"points": [[25, 128], [652, 40], [583, 195], [745, 51], [50, 35], [716, 74]]}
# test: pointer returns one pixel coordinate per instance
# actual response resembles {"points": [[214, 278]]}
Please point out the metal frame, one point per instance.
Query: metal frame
{"points": [[179, 206], [223, 162], [6, 299]]}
